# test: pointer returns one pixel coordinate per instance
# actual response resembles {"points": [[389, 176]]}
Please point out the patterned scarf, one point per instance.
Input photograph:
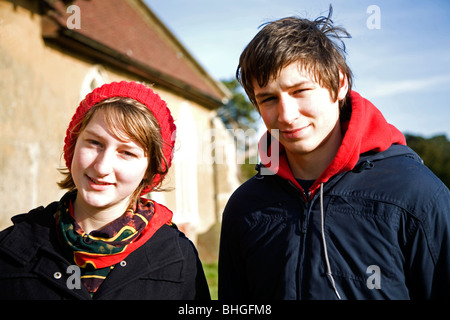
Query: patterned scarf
{"points": [[98, 252]]}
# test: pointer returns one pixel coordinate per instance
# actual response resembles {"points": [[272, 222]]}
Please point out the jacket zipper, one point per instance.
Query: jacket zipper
{"points": [[307, 202], [304, 220]]}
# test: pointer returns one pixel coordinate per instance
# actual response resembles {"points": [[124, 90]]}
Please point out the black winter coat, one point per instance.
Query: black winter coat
{"points": [[32, 265], [386, 226]]}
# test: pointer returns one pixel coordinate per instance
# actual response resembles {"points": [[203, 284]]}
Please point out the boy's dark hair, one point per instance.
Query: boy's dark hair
{"points": [[317, 45]]}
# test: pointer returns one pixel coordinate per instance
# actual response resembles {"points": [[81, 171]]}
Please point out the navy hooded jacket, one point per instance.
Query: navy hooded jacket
{"points": [[376, 225]]}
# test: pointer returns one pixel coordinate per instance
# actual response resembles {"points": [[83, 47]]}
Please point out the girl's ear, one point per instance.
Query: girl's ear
{"points": [[343, 86]]}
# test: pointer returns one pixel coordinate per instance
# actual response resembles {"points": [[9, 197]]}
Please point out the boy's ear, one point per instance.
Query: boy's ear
{"points": [[343, 86]]}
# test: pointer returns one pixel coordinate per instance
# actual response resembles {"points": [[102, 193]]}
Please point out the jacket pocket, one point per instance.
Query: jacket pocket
{"points": [[362, 241]]}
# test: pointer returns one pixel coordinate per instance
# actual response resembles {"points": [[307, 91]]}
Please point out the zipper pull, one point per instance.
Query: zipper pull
{"points": [[307, 195]]}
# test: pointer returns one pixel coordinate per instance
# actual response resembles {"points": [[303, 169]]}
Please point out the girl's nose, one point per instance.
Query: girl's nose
{"points": [[104, 163]]}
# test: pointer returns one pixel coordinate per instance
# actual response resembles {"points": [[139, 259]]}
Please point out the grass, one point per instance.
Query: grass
{"points": [[211, 273]]}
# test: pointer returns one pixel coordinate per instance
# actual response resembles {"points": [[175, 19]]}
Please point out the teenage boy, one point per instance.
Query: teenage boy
{"points": [[341, 208]]}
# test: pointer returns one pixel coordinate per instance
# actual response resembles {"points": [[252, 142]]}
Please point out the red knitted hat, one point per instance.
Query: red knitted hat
{"points": [[135, 91]]}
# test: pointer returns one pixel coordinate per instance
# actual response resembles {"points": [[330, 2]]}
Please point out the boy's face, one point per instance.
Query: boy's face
{"points": [[302, 111]]}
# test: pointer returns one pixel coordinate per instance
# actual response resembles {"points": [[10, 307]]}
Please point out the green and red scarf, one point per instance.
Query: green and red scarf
{"points": [[98, 252]]}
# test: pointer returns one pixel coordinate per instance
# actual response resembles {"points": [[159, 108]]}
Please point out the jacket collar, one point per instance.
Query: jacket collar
{"points": [[32, 243], [33, 238], [31, 232]]}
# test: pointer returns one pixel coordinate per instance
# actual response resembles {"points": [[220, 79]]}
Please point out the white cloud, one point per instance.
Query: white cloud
{"points": [[389, 88]]}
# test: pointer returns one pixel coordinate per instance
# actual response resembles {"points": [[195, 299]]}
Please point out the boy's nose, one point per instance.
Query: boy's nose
{"points": [[287, 110]]}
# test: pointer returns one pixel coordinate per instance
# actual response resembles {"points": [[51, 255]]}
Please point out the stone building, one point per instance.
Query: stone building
{"points": [[53, 52]]}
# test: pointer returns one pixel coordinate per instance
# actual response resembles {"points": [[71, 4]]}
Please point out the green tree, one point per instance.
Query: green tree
{"points": [[240, 114], [435, 153]]}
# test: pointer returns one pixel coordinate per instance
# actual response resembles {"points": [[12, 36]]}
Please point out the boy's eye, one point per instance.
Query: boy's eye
{"points": [[266, 100], [299, 91]]}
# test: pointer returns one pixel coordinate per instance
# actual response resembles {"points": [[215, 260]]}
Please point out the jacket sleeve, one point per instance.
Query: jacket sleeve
{"points": [[196, 285], [427, 254], [231, 267]]}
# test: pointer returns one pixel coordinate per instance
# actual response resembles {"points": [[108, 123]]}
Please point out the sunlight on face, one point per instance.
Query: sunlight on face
{"points": [[106, 170]]}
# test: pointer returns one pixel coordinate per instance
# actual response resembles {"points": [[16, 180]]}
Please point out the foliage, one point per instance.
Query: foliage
{"points": [[239, 113], [211, 273], [435, 153]]}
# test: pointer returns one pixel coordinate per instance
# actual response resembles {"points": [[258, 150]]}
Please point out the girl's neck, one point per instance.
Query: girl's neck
{"points": [[91, 219]]}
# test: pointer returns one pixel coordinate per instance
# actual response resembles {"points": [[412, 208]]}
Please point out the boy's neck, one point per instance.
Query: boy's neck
{"points": [[309, 166]]}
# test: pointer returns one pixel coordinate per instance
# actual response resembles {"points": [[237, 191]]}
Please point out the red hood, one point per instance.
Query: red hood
{"points": [[366, 131]]}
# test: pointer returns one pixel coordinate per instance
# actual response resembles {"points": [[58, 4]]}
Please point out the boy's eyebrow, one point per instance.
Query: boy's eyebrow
{"points": [[298, 84], [263, 95]]}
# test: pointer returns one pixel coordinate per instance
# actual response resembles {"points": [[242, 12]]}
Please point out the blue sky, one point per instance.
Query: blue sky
{"points": [[403, 66]]}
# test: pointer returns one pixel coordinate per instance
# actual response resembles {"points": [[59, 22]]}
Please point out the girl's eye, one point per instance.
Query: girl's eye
{"points": [[93, 142], [128, 154]]}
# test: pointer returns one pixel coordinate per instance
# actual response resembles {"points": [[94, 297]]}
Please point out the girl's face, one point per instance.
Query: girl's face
{"points": [[106, 170]]}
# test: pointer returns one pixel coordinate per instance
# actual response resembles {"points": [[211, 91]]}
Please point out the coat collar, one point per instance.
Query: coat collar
{"points": [[33, 240], [31, 232]]}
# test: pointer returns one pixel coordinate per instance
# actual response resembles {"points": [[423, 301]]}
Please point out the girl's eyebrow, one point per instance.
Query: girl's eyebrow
{"points": [[126, 143], [92, 133]]}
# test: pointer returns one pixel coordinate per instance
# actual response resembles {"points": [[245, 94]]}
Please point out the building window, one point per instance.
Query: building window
{"points": [[95, 77]]}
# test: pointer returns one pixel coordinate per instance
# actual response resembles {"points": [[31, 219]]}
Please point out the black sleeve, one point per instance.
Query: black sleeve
{"points": [[232, 283], [196, 287]]}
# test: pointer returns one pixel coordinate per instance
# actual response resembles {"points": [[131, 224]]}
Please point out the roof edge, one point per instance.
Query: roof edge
{"points": [[54, 31], [82, 44], [221, 88]]}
